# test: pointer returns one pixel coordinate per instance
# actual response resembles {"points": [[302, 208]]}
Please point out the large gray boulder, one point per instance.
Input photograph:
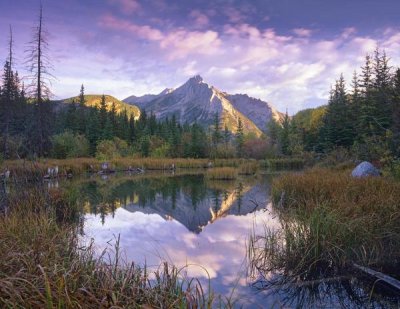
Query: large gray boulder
{"points": [[365, 169]]}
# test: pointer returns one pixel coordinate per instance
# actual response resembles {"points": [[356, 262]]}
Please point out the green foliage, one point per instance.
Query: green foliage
{"points": [[239, 138], [284, 163], [69, 145], [106, 150], [365, 121]]}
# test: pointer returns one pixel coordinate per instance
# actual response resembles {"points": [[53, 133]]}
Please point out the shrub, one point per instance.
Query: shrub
{"points": [[256, 148], [69, 145], [161, 152], [112, 149], [15, 147], [121, 146], [106, 150]]}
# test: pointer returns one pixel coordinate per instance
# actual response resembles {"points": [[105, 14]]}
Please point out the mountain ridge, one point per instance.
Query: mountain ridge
{"points": [[93, 100], [197, 101]]}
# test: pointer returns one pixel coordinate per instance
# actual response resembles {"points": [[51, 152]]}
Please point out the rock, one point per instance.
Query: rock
{"points": [[104, 166], [365, 169]]}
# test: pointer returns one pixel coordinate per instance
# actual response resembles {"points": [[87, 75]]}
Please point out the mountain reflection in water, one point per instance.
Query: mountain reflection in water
{"points": [[204, 227], [184, 220]]}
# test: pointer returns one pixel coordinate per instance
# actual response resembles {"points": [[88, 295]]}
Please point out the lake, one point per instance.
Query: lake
{"points": [[203, 228]]}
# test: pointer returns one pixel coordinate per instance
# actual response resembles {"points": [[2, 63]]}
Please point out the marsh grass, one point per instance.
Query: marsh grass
{"points": [[44, 264], [330, 221], [249, 168], [35, 170], [221, 173], [283, 164]]}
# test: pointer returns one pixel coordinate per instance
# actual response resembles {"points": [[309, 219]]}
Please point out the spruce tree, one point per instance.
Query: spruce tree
{"points": [[239, 138], [217, 131], [396, 112], [82, 115], [285, 134]]}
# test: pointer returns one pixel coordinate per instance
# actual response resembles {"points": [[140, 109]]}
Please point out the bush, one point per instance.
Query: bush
{"points": [[69, 145], [121, 146], [223, 152], [112, 149], [15, 147], [161, 152], [256, 148], [106, 150]]}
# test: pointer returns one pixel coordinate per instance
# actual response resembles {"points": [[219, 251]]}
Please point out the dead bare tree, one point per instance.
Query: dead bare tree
{"points": [[40, 77]]}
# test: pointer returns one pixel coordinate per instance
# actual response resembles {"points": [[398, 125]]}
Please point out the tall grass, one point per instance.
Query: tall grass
{"points": [[45, 265], [330, 220], [283, 163], [35, 170], [249, 168], [221, 173]]}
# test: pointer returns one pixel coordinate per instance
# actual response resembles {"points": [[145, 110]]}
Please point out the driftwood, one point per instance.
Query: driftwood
{"points": [[380, 276], [5, 175]]}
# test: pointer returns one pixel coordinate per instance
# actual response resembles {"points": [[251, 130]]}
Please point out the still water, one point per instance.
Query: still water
{"points": [[203, 227]]}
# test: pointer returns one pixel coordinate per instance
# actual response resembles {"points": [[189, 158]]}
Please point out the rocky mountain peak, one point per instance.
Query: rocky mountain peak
{"points": [[197, 79]]}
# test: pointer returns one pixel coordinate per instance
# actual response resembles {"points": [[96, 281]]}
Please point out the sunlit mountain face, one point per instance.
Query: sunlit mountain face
{"points": [[285, 52]]}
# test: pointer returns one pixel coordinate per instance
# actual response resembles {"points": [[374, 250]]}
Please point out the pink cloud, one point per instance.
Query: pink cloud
{"points": [[127, 6], [234, 15], [200, 20], [179, 43], [303, 32], [144, 32]]}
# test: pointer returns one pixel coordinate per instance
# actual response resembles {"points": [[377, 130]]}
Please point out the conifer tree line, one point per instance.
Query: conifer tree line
{"points": [[363, 117]]}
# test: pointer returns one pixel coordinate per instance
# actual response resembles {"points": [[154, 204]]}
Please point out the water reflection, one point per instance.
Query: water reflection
{"points": [[203, 227], [189, 200], [185, 220]]}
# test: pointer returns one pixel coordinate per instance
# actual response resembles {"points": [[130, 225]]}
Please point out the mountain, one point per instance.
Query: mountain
{"points": [[197, 101], [94, 100], [147, 97]]}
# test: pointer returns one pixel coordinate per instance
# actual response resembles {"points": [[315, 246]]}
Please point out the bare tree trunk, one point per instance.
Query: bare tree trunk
{"points": [[8, 95]]}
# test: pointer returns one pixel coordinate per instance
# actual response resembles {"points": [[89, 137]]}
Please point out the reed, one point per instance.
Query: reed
{"points": [[330, 219], [46, 265], [283, 163], [35, 170], [221, 173], [249, 168]]}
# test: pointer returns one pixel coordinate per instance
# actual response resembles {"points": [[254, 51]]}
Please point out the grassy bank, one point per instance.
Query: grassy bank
{"points": [[221, 173], [331, 220], [277, 164], [43, 264], [24, 169]]}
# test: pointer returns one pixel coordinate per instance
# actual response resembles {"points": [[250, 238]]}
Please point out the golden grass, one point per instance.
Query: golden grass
{"points": [[45, 265], [221, 173], [249, 168], [330, 218], [284, 163], [35, 170]]}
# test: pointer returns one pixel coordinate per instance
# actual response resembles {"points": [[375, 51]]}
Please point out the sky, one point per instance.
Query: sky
{"points": [[286, 52]]}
